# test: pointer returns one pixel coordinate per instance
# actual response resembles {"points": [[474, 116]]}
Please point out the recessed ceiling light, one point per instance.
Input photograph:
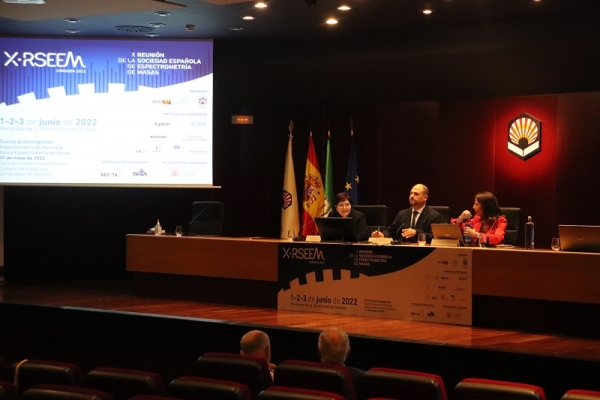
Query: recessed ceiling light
{"points": [[156, 24], [427, 11], [24, 1], [72, 30], [236, 28], [344, 8], [162, 13], [261, 4], [73, 20], [331, 21], [151, 34], [248, 17]]}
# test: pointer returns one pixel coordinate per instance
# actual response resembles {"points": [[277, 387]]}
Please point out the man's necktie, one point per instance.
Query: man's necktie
{"points": [[414, 219]]}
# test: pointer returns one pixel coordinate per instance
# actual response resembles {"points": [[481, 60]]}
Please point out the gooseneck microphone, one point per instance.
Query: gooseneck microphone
{"points": [[397, 234], [194, 219]]}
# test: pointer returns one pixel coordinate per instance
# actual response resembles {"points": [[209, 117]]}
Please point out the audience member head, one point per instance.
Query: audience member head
{"points": [[343, 204], [256, 343], [418, 196], [486, 205], [334, 346]]}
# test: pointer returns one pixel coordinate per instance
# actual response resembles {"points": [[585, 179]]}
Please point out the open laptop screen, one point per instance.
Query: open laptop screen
{"points": [[336, 229], [584, 238], [447, 232]]}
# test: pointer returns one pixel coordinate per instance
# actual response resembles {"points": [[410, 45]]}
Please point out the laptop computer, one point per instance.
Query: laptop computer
{"points": [[336, 229], [579, 238], [447, 235]]}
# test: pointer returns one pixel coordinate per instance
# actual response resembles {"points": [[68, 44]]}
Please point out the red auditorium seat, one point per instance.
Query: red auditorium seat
{"points": [[8, 391], [487, 389], [30, 373], [291, 393], [403, 384], [193, 387], [580, 394], [125, 383], [62, 392], [251, 371], [326, 377]]}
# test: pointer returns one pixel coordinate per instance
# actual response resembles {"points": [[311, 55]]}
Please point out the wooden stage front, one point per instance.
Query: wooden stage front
{"points": [[114, 327], [108, 323]]}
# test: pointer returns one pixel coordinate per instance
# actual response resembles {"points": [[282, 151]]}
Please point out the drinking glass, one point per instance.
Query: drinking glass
{"points": [[482, 240], [178, 230], [291, 235], [555, 244], [422, 239]]}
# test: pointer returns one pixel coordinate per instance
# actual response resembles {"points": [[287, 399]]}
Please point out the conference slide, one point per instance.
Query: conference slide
{"points": [[106, 112]]}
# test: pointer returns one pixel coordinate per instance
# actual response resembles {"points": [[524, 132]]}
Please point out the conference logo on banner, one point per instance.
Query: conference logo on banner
{"points": [[524, 136], [410, 283]]}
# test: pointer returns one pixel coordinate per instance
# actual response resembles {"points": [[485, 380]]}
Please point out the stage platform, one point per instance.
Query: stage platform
{"points": [[103, 323]]}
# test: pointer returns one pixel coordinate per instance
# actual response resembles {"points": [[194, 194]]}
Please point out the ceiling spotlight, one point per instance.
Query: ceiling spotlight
{"points": [[156, 24], [310, 2], [261, 4], [151, 34], [248, 17], [427, 11], [331, 21], [344, 8], [236, 28], [24, 1], [72, 30], [162, 13], [73, 20]]}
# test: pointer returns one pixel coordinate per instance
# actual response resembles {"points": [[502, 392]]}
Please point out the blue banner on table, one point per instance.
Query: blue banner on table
{"points": [[398, 282]]}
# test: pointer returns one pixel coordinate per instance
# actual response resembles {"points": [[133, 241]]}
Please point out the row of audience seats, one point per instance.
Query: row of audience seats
{"points": [[224, 376], [377, 217]]}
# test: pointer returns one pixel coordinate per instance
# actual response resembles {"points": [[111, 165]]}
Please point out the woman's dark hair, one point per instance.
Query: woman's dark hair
{"points": [[342, 196], [489, 204]]}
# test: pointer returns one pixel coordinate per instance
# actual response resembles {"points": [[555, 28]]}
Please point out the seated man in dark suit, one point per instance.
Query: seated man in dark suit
{"points": [[414, 220], [257, 343], [334, 347]]}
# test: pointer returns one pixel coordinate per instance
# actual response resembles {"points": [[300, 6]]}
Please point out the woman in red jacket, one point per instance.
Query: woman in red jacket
{"points": [[488, 226]]}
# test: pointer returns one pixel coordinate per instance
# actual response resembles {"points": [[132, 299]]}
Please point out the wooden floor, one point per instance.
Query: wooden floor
{"points": [[116, 295]]}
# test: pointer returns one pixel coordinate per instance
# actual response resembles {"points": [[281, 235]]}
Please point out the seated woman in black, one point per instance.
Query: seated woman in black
{"points": [[343, 208]]}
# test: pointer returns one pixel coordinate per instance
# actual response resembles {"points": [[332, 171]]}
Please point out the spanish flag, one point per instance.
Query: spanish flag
{"points": [[313, 202]]}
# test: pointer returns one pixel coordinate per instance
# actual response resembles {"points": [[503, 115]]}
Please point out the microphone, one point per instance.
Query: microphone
{"points": [[195, 218], [301, 238], [396, 235]]}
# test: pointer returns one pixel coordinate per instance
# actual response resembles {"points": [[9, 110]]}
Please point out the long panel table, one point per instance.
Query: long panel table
{"points": [[557, 292]]}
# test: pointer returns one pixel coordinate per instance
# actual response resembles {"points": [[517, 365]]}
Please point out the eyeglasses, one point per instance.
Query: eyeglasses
{"points": [[343, 205]]}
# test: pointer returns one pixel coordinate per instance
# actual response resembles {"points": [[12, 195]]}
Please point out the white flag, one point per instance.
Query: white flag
{"points": [[290, 220]]}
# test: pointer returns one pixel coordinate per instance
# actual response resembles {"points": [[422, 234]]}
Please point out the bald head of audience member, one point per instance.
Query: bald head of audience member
{"points": [[256, 343], [334, 346]]}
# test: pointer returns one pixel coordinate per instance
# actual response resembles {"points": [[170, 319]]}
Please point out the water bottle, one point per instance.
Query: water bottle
{"points": [[468, 238], [529, 233], [158, 228]]}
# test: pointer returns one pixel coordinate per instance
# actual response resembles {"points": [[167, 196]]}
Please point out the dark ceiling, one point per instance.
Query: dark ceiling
{"points": [[282, 19]]}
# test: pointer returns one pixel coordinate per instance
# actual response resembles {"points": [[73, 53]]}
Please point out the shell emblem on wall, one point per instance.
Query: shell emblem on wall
{"points": [[524, 136]]}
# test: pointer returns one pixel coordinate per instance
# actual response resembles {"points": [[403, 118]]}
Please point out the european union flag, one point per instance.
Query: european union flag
{"points": [[352, 179]]}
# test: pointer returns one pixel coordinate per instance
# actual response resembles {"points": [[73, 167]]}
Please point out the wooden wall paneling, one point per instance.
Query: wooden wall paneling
{"points": [[529, 184], [578, 159], [467, 162]]}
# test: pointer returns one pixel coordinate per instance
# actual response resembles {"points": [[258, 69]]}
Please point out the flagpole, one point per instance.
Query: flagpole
{"points": [[314, 193], [352, 178], [290, 217]]}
